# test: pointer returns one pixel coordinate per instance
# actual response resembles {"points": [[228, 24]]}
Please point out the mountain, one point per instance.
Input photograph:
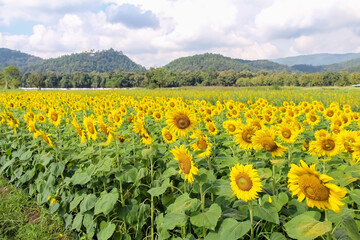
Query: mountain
{"points": [[316, 59], [17, 58], [100, 61], [217, 62]]}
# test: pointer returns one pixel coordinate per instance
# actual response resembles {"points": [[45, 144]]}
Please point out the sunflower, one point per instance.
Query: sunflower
{"points": [[312, 119], [265, 139], [202, 144], [180, 121], [89, 124], [46, 138], [79, 130], [212, 129], [54, 117], [327, 145], [168, 136], [146, 138], [287, 132], [347, 139], [231, 126], [186, 164], [245, 182], [157, 115], [41, 118], [244, 136], [306, 182]]}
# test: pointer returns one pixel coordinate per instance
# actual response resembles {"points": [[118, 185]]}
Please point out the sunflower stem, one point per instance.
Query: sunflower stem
{"points": [[202, 196], [152, 199], [120, 181], [274, 180], [328, 235], [185, 190], [251, 220], [210, 168]]}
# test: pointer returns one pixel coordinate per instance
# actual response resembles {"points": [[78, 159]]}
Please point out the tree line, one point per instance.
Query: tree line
{"points": [[11, 77]]}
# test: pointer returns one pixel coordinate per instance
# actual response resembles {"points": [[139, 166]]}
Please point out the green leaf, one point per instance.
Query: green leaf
{"points": [[184, 203], [355, 195], [106, 230], [174, 219], [230, 229], [88, 203], [280, 200], [75, 202], [45, 159], [106, 202], [169, 172], [157, 191], [77, 222], [267, 212], [26, 155], [306, 227], [222, 187], [207, 219], [104, 164], [277, 236], [80, 178], [226, 162], [349, 224], [264, 173]]}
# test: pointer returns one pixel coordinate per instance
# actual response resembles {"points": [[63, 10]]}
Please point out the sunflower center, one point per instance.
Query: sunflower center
{"points": [[54, 116], [90, 127], [41, 118], [201, 144], [231, 128], [117, 118], [247, 135], [330, 113], [168, 136], [313, 188], [348, 147], [313, 118], [286, 133], [185, 165], [328, 144], [211, 128], [269, 145], [182, 121], [158, 115], [243, 181]]}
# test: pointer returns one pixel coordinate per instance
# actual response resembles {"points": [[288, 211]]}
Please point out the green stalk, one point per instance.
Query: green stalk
{"points": [[274, 180], [328, 235], [119, 165], [152, 199], [202, 196], [210, 168], [251, 220]]}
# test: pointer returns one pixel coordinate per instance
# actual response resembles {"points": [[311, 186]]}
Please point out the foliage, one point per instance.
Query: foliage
{"points": [[101, 61], [11, 57]]}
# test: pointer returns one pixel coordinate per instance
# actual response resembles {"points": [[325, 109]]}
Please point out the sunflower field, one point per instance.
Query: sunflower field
{"points": [[188, 164]]}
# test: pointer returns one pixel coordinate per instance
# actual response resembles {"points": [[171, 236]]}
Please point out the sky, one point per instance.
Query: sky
{"points": [[154, 32]]}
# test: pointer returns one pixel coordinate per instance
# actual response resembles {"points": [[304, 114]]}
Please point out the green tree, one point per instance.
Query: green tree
{"points": [[11, 76], [36, 79]]}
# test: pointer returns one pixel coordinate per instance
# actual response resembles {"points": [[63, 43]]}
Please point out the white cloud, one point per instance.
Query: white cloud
{"points": [[255, 29]]}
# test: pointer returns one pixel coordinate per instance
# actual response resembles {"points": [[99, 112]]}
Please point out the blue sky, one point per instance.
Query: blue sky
{"points": [[152, 33]]}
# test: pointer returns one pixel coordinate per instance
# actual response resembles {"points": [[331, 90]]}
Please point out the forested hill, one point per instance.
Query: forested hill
{"points": [[316, 59], [217, 62], [101, 61], [12, 57]]}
